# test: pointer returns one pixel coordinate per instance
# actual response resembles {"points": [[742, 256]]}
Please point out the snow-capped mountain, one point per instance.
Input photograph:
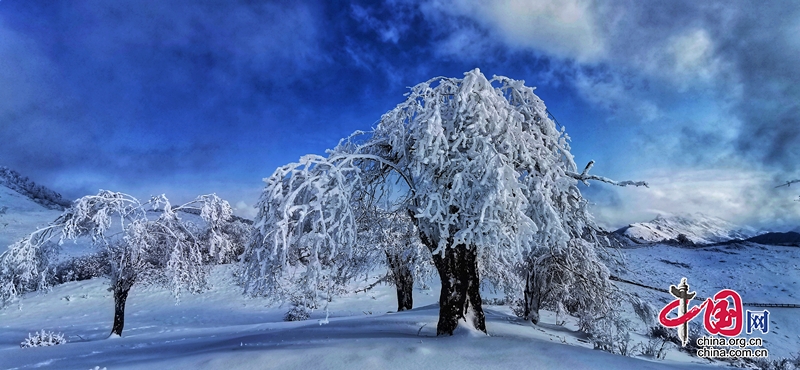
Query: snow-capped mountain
{"points": [[697, 227]]}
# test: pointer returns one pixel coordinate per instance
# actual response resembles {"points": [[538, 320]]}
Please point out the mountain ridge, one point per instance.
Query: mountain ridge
{"points": [[35, 192], [697, 228]]}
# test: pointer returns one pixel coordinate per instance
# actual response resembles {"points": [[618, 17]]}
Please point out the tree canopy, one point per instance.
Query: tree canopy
{"points": [[491, 189]]}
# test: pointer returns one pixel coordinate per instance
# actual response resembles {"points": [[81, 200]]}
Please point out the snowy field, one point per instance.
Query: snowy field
{"points": [[760, 274], [221, 329]]}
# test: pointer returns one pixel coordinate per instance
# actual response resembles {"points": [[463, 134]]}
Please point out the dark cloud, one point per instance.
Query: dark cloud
{"points": [[766, 56], [183, 94], [130, 90], [754, 55]]}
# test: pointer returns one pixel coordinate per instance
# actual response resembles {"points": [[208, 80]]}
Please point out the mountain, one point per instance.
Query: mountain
{"points": [[697, 227], [787, 238]]}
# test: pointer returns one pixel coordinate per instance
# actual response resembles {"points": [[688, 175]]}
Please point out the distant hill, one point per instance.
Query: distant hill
{"points": [[25, 206], [50, 199], [787, 238], [697, 228], [20, 215]]}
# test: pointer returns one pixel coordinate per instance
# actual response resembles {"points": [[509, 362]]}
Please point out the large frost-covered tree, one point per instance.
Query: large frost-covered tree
{"points": [[145, 243], [491, 191]]}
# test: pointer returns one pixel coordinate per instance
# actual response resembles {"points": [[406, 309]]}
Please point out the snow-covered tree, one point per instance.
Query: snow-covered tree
{"points": [[146, 243], [491, 190], [407, 260], [304, 247], [563, 269]]}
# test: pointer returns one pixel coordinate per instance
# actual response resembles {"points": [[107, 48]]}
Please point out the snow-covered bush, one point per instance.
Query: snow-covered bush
{"points": [[26, 266], [43, 339], [237, 232], [660, 341], [144, 243], [297, 313], [83, 267], [490, 186], [778, 363], [609, 333]]}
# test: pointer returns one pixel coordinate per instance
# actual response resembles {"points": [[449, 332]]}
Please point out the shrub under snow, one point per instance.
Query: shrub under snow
{"points": [[43, 339], [297, 313]]}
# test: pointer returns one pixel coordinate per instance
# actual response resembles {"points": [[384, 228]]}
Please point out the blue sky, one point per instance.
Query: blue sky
{"points": [[701, 99]]}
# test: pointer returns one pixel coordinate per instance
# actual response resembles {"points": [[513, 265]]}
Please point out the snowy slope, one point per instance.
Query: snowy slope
{"points": [[223, 330], [15, 181], [759, 273], [699, 228], [19, 216]]}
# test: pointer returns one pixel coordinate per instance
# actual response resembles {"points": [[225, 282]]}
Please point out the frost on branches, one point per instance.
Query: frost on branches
{"points": [[407, 260], [146, 243], [491, 191]]}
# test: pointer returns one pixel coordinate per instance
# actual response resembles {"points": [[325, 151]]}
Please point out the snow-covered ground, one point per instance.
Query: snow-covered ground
{"points": [[221, 329], [760, 274], [19, 216]]}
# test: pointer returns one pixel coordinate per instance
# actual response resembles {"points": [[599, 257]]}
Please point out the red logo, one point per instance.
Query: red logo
{"points": [[718, 318], [724, 314]]}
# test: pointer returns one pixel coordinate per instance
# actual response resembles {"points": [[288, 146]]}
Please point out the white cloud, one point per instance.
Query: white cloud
{"points": [[693, 52], [243, 210], [465, 42], [686, 59], [564, 29], [746, 197]]}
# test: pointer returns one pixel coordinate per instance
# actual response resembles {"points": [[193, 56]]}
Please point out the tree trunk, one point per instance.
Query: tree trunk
{"points": [[404, 282], [121, 290], [460, 298], [532, 300]]}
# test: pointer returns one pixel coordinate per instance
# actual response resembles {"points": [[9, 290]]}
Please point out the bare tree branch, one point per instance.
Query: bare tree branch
{"points": [[584, 177], [368, 287], [788, 183]]}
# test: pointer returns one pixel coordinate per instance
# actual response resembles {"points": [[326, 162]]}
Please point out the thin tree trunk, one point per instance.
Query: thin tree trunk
{"points": [[121, 290], [532, 300], [403, 281], [460, 298]]}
